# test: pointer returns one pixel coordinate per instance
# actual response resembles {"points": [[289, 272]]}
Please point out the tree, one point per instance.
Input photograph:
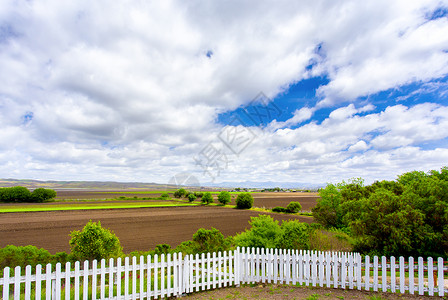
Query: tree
{"points": [[244, 200], [294, 207], [180, 193], [207, 198], [94, 242], [224, 197], [327, 210], [42, 195], [191, 197], [198, 194]]}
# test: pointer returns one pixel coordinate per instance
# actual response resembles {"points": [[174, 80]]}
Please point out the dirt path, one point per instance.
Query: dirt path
{"points": [[138, 229], [266, 291]]}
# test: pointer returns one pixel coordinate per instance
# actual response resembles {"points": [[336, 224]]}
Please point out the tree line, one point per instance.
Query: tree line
{"points": [[407, 216], [22, 194]]}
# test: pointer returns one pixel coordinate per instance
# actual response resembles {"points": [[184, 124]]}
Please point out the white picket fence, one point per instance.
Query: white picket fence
{"points": [[175, 275]]}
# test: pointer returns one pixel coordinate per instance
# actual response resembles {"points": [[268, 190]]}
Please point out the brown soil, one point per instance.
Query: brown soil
{"points": [[267, 200], [138, 229], [266, 291], [270, 200]]}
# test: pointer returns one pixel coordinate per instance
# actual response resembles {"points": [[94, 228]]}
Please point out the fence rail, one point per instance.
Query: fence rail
{"points": [[176, 275]]}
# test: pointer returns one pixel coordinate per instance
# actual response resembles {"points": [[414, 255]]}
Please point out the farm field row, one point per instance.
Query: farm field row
{"points": [[138, 229], [56, 206]]}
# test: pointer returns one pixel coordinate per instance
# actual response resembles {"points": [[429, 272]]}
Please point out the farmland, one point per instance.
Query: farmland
{"points": [[138, 228]]}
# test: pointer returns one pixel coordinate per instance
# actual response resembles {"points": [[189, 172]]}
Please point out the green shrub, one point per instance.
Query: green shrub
{"points": [[165, 195], [294, 235], [180, 193], [198, 194], [12, 256], [94, 242], [244, 200], [163, 249], [41, 195], [294, 207], [204, 241], [279, 209], [191, 197], [207, 198], [224, 197], [263, 233], [15, 194]]}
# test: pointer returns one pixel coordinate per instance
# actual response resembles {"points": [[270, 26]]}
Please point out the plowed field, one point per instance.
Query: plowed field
{"points": [[138, 229]]}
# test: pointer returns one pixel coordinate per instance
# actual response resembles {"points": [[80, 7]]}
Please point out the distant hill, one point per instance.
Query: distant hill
{"points": [[113, 185], [266, 185], [109, 185]]}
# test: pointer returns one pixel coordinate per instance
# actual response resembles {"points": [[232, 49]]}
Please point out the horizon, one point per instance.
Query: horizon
{"points": [[287, 91]]}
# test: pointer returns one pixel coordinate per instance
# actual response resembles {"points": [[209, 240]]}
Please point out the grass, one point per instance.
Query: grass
{"points": [[263, 209], [88, 206]]}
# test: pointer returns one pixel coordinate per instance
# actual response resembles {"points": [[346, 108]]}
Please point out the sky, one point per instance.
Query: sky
{"points": [[224, 91]]}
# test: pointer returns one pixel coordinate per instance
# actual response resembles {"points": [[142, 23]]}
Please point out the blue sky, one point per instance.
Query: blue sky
{"points": [[282, 91]]}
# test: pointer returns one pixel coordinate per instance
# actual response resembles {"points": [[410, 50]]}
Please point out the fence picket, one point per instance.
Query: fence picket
{"points": [[28, 282], [402, 274], [335, 261], [359, 272], [219, 270], [48, 285], [134, 277], [17, 282], [375, 273], [344, 271], [111, 278], [209, 267], [420, 276], [411, 275], [94, 266], [441, 282], [203, 271], [196, 274], [367, 274], [214, 269], [126, 277], [384, 274], [392, 275], [430, 276], [141, 274], [102, 279], [350, 272]]}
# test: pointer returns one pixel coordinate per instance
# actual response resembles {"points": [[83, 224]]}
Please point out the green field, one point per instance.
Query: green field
{"points": [[83, 206]]}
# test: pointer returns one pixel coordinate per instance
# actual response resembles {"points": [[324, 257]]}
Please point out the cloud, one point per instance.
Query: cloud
{"points": [[132, 91]]}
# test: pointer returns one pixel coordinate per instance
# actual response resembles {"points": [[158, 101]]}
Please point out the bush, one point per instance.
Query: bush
{"points": [[42, 195], [263, 233], [180, 193], [294, 235], [163, 249], [191, 197], [207, 198], [294, 207], [94, 242], [164, 195], [198, 194], [244, 200], [205, 241], [224, 197], [279, 209], [13, 256]]}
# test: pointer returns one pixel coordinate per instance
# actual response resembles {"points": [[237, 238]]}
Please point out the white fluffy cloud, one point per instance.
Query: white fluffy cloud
{"points": [[131, 91]]}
